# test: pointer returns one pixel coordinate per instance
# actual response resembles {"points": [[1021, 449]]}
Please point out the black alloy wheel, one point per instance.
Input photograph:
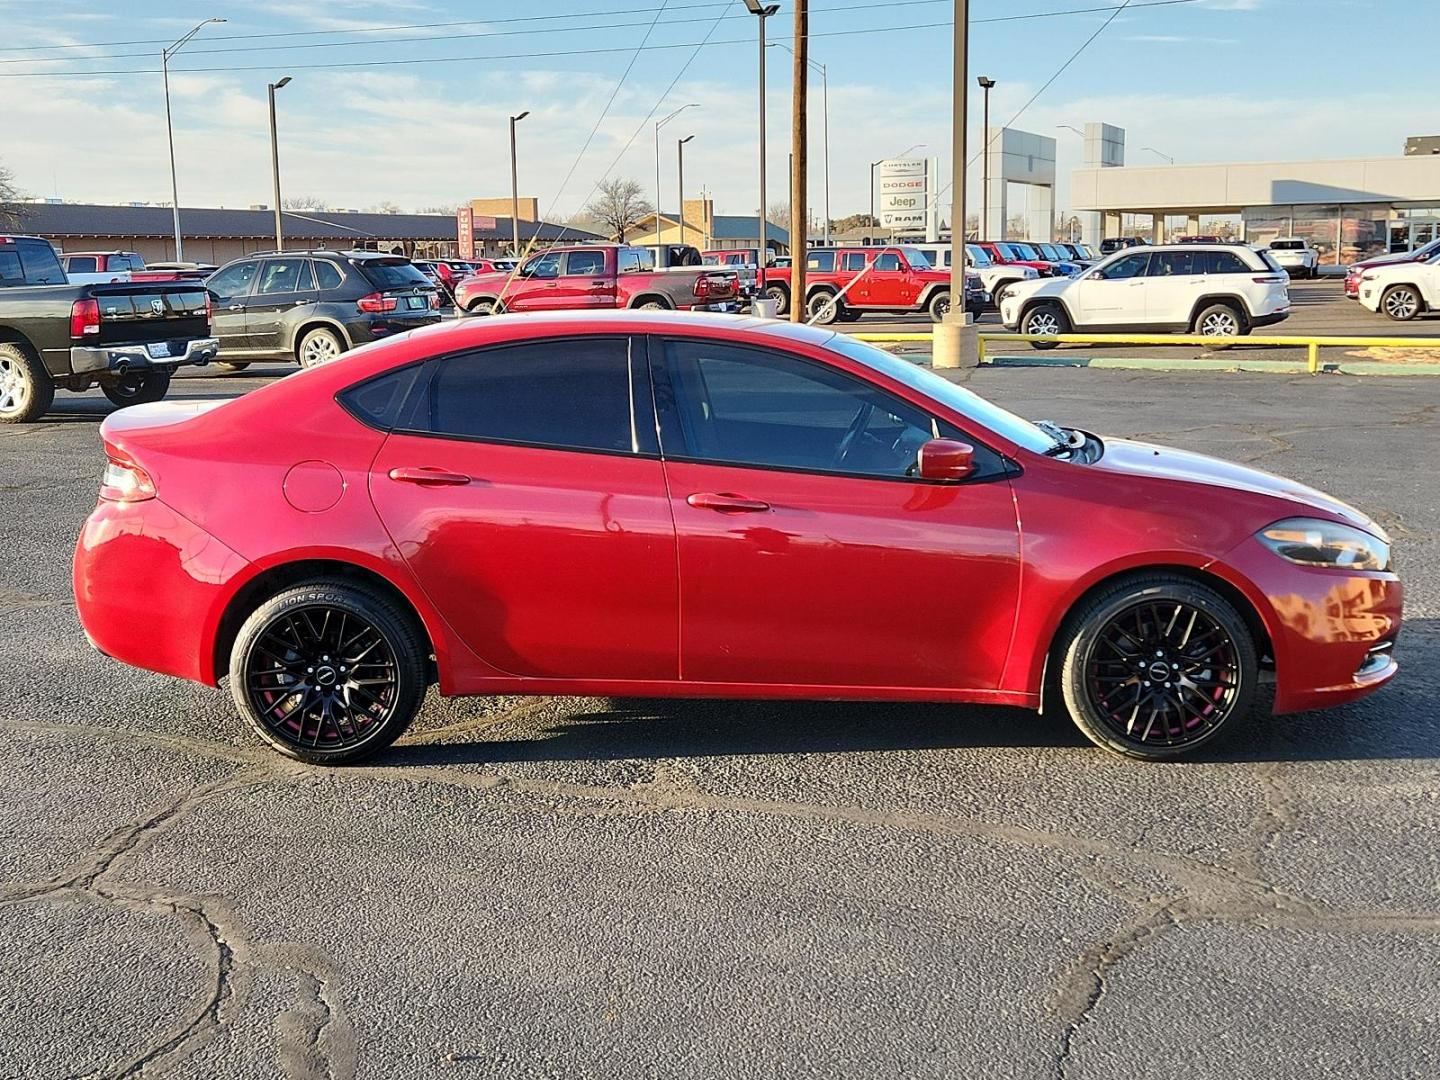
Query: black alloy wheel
{"points": [[328, 673], [1159, 668]]}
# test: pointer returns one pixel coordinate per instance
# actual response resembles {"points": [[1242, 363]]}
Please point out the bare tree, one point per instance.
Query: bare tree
{"points": [[304, 202], [442, 208], [9, 200], [1017, 228], [619, 205], [386, 207], [779, 213]]}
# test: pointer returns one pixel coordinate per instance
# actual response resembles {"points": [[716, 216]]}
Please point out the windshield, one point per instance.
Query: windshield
{"points": [[985, 413], [1027, 252], [979, 257], [916, 258]]}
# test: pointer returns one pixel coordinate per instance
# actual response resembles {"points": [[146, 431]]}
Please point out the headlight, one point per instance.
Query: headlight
{"points": [[1310, 542]]}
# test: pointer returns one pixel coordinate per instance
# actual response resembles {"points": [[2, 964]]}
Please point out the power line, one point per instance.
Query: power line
{"points": [[556, 53]]}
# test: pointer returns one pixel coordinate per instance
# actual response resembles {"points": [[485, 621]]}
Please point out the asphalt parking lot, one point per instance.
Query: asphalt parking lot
{"points": [[594, 888]]}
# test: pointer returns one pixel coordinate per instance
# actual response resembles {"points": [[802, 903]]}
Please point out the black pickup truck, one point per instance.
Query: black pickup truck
{"points": [[127, 338]]}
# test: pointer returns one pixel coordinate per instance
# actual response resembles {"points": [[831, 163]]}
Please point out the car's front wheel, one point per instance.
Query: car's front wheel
{"points": [[1046, 320], [1401, 302], [328, 672], [138, 386], [939, 306], [1157, 666]]}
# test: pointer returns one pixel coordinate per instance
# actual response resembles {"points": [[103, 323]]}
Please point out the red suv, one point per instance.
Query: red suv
{"points": [[1010, 253], [845, 283]]}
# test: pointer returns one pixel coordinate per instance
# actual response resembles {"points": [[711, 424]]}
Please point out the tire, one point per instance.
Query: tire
{"points": [[1401, 303], [139, 386], [998, 296], [1220, 320], [233, 365], [939, 305], [653, 305], [485, 306], [823, 308], [1194, 667], [849, 315], [781, 296], [1048, 318], [319, 346], [299, 639], [26, 389]]}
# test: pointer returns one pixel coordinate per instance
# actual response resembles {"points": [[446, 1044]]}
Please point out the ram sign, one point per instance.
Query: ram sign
{"points": [[903, 195]]}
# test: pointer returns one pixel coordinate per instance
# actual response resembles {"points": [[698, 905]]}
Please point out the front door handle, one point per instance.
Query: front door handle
{"points": [[236, 307], [307, 300], [726, 503], [428, 476]]}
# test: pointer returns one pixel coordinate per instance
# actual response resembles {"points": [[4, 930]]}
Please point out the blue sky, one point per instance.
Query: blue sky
{"points": [[1206, 80]]}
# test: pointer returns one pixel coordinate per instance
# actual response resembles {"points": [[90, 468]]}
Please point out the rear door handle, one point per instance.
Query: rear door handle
{"points": [[726, 503], [428, 476]]}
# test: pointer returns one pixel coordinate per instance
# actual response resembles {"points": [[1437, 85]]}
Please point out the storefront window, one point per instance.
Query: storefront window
{"points": [[1266, 223], [1320, 225], [1363, 232]]}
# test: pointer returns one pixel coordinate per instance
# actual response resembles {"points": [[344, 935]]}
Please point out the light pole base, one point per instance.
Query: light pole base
{"points": [[957, 344], [765, 308]]}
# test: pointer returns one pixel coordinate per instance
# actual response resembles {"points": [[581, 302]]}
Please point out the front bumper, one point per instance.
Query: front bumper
{"points": [[98, 359]]}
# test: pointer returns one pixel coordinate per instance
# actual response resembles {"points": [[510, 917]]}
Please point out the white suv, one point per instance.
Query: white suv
{"points": [[1295, 256], [1218, 290], [1401, 291]]}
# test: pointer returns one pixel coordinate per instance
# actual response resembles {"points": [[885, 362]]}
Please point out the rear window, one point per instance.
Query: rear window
{"points": [[392, 273], [126, 262], [81, 264], [1287, 245]]}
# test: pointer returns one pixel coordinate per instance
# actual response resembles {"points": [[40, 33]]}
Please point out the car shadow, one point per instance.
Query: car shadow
{"points": [[1398, 722]]}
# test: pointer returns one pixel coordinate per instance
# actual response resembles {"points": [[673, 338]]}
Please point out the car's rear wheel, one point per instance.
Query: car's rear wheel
{"points": [[781, 296], [138, 386], [1220, 320], [653, 305], [1401, 302], [319, 346], [939, 305], [1045, 319], [26, 389], [233, 365], [327, 672], [824, 308], [1157, 666]]}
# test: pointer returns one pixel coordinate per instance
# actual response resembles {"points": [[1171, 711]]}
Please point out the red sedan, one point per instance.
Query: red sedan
{"points": [[665, 504]]}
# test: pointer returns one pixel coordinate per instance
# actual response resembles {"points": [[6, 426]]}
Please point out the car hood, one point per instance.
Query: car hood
{"points": [[1037, 286], [1164, 463], [1386, 260]]}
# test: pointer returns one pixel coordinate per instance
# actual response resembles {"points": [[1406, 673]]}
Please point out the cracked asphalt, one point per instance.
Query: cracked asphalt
{"points": [[590, 888]]}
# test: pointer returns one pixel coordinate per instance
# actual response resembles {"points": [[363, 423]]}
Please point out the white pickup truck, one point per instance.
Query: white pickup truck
{"points": [[1295, 256]]}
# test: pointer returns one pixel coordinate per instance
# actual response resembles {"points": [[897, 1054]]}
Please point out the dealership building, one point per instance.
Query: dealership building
{"points": [[1346, 208]]}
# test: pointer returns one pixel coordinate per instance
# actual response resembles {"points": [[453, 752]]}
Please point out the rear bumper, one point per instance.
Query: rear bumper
{"points": [[150, 587], [727, 307], [1271, 318], [99, 359]]}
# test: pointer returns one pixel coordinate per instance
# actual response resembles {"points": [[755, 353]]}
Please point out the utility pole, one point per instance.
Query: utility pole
{"points": [[799, 161], [762, 12], [515, 189], [986, 84], [275, 162], [956, 344], [165, 55]]}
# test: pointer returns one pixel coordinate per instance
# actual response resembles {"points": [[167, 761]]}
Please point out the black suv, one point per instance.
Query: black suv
{"points": [[1112, 244], [310, 306]]}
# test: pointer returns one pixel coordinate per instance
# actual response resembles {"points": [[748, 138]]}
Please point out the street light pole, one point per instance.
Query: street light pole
{"points": [[680, 181], [275, 161], [986, 84], [515, 189], [956, 341], [1157, 153], [825, 114], [762, 12], [165, 55], [658, 125]]}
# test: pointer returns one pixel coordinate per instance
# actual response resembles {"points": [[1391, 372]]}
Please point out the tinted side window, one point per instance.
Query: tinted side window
{"points": [[327, 274], [751, 407], [588, 263], [558, 393], [80, 264], [1227, 262], [823, 261], [376, 401], [888, 261], [853, 260], [280, 276], [10, 272], [233, 280], [1176, 264], [1128, 267], [42, 265]]}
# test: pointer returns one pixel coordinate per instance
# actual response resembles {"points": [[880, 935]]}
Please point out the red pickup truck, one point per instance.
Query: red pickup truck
{"points": [[597, 277], [102, 267], [890, 280]]}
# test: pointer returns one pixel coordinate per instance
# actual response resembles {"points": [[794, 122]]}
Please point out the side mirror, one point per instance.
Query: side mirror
{"points": [[946, 459], [1097, 275]]}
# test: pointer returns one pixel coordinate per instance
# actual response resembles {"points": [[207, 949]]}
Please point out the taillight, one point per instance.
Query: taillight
{"points": [[702, 286], [209, 308], [434, 301], [1270, 279], [124, 481], [84, 318], [376, 303]]}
